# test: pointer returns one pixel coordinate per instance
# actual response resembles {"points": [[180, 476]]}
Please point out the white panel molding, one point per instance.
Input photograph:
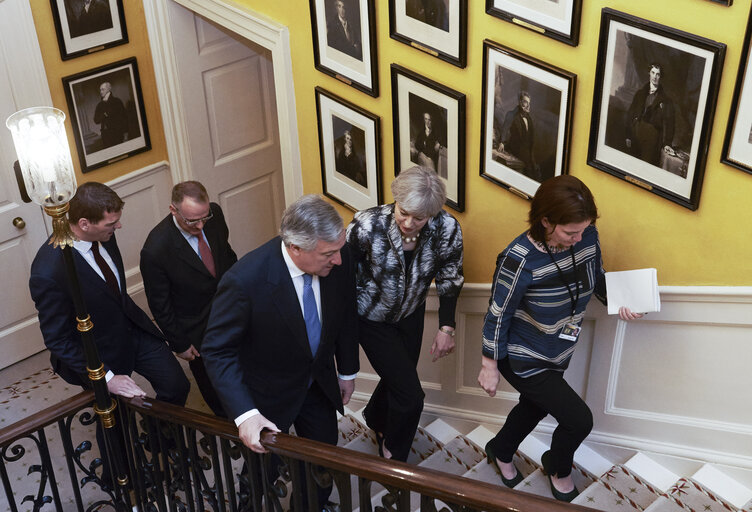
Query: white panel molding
{"points": [[168, 89], [139, 175], [252, 26]]}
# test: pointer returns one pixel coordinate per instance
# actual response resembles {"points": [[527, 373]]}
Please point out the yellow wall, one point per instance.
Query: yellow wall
{"points": [[137, 46], [710, 246]]}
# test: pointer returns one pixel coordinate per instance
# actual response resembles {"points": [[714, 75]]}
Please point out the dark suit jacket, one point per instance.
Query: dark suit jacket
{"points": [[647, 144], [337, 39], [115, 318], [256, 349], [178, 286]]}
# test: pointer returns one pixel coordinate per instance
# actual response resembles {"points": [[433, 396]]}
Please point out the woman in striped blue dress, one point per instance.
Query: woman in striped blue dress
{"points": [[542, 284]]}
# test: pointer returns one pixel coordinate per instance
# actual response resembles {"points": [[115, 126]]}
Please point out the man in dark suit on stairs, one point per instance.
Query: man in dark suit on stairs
{"points": [[281, 317], [126, 338], [182, 261]]}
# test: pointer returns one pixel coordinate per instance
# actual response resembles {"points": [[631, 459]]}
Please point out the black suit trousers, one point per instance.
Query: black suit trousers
{"points": [[540, 395], [397, 402]]}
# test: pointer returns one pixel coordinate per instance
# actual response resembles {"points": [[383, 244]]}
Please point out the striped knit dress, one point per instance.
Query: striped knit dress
{"points": [[530, 303]]}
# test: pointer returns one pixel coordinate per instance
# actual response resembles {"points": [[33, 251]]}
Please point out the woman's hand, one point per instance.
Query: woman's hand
{"points": [[626, 314], [489, 375], [443, 344]]}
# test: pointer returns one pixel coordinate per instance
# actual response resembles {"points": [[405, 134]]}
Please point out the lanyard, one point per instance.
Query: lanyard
{"points": [[574, 298]]}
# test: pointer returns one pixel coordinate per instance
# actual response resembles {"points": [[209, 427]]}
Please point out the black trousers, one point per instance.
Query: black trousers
{"points": [[542, 394], [397, 402], [205, 386]]}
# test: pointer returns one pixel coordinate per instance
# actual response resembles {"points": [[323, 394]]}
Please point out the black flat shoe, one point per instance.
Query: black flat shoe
{"points": [[561, 496], [509, 482]]}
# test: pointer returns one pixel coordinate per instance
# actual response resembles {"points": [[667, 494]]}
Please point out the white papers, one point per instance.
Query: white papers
{"points": [[635, 289]]}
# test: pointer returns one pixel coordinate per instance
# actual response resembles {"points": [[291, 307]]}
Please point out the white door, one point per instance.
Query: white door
{"points": [[22, 232], [227, 90]]}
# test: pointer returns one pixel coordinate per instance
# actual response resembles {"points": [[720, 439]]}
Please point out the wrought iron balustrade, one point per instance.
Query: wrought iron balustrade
{"points": [[184, 460]]}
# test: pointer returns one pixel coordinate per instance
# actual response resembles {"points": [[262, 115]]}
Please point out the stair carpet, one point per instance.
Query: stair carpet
{"points": [[638, 484]]}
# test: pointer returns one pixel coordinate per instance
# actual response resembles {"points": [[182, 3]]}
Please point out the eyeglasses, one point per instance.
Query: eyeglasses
{"points": [[193, 222]]}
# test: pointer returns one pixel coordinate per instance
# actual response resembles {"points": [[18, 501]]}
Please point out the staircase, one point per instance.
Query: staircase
{"points": [[637, 483]]}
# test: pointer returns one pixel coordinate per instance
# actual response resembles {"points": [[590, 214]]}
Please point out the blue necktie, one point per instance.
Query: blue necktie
{"points": [[311, 314]]}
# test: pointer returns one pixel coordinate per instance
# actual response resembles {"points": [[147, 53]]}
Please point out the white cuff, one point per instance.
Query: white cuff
{"points": [[347, 377], [240, 419], [108, 376]]}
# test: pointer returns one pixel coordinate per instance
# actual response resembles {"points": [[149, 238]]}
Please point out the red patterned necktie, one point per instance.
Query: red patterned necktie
{"points": [[206, 255]]}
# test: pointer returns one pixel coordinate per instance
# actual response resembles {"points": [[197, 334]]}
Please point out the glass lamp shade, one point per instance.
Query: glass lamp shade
{"points": [[43, 154]]}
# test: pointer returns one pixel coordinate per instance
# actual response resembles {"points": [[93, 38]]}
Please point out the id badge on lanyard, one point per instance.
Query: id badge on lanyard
{"points": [[571, 330]]}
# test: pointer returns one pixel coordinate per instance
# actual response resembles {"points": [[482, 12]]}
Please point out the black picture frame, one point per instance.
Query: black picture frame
{"points": [[558, 20], [737, 145], [107, 132], [438, 28], [351, 176], [658, 141], [413, 98], [727, 3], [521, 150], [81, 32], [349, 55]]}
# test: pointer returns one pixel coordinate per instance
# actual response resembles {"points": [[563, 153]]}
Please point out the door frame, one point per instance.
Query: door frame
{"points": [[249, 25]]}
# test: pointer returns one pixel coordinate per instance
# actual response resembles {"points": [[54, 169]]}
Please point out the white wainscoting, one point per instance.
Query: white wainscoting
{"points": [[146, 193], [674, 382]]}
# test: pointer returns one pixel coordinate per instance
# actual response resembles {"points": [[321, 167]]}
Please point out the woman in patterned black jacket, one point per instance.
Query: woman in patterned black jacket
{"points": [[399, 249]]}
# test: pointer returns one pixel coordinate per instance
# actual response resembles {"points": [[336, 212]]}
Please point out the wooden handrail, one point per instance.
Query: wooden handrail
{"points": [[443, 486], [45, 417]]}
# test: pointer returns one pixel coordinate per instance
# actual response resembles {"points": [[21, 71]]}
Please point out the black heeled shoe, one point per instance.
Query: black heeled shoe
{"points": [[509, 482], [547, 470]]}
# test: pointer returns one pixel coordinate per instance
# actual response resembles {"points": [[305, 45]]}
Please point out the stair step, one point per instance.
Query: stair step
{"points": [[442, 431], [364, 443], [623, 484], [480, 436], [485, 471], [535, 483], [591, 461], [720, 484], [424, 444], [650, 472], [599, 497], [465, 451], [690, 494], [664, 504], [349, 428]]}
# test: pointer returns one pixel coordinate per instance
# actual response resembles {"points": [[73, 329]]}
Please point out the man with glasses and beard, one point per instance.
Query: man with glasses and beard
{"points": [[182, 261]]}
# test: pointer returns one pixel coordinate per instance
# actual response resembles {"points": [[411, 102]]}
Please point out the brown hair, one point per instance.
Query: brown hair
{"points": [[561, 200], [91, 201], [192, 189]]}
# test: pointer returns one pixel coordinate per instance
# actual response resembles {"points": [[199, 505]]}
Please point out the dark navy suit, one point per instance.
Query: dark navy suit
{"points": [[256, 348], [126, 338]]}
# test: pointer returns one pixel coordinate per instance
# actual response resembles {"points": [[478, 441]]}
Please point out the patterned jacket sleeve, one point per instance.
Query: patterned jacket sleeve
{"points": [[509, 287], [450, 276], [600, 274]]}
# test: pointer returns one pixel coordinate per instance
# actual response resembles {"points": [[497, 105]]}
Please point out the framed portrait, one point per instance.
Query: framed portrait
{"points": [[429, 130], [344, 42], [653, 104], [88, 26], [106, 110], [349, 141], [558, 19], [525, 121], [737, 146], [437, 27]]}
